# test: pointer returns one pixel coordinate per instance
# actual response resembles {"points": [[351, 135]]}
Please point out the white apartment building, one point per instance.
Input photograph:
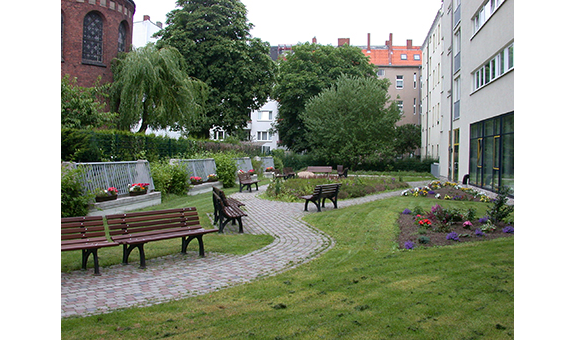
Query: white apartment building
{"points": [[476, 86], [143, 31]]}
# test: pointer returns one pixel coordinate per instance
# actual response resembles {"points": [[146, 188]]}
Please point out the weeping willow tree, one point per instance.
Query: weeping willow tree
{"points": [[152, 86]]}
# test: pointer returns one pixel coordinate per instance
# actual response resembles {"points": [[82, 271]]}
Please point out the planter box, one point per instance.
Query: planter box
{"points": [[204, 187], [124, 204], [138, 193], [106, 198]]}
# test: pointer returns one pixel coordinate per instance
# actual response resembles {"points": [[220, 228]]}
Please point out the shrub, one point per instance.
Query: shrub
{"points": [[498, 209], [423, 239], [226, 169], [74, 202], [170, 179]]}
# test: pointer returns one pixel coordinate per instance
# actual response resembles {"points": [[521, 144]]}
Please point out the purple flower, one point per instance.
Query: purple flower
{"points": [[509, 229], [483, 220], [479, 233], [452, 236], [409, 245], [431, 192], [406, 211]]}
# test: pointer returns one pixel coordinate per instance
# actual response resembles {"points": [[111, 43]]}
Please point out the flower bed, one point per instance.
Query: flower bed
{"points": [[444, 226], [351, 187], [447, 191]]}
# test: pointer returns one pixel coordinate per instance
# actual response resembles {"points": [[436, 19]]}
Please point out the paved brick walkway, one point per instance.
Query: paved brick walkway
{"points": [[180, 276]]}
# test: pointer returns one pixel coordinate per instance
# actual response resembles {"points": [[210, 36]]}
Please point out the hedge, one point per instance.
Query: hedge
{"points": [[113, 145]]}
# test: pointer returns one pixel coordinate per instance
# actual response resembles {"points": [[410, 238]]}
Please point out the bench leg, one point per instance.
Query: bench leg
{"points": [[201, 244], [128, 249], [240, 225], [186, 242], [85, 254]]}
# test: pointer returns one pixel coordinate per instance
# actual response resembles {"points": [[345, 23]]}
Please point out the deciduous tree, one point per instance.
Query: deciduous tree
{"points": [[213, 36], [151, 86], [352, 122], [304, 74]]}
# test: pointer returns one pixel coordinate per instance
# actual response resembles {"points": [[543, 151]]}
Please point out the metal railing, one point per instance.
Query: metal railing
{"points": [[198, 167], [115, 174]]}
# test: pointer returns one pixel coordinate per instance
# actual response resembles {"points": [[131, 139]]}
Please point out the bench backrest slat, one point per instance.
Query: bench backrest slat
{"points": [[86, 227], [158, 221], [326, 189]]}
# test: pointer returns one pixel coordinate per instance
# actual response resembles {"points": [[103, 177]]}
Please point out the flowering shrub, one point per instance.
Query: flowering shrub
{"points": [[212, 177], [488, 227], [406, 211], [467, 225], [409, 245], [425, 222], [509, 230], [479, 233], [195, 180], [251, 171], [452, 236], [269, 169], [241, 172], [483, 220], [137, 187]]}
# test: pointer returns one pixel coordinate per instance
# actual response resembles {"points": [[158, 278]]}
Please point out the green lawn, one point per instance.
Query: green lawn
{"points": [[363, 288]]}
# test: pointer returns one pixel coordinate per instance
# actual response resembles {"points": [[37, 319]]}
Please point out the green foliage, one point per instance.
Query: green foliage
{"points": [[170, 178], [498, 209], [279, 157], [332, 121], [74, 201], [83, 107], [151, 86], [213, 36], [310, 69], [226, 169], [407, 139]]}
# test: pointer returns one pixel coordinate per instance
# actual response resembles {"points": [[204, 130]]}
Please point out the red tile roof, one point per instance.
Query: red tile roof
{"points": [[380, 57]]}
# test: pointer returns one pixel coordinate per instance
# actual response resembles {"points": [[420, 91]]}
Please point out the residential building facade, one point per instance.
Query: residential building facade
{"points": [[402, 66], [476, 122], [144, 30]]}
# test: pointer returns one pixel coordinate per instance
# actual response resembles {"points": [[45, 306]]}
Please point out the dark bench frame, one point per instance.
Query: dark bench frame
{"points": [[226, 210], [321, 193], [246, 181], [87, 234], [134, 230], [341, 172]]}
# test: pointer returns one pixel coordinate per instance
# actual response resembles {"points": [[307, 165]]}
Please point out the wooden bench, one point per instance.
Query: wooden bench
{"points": [[321, 193], [341, 172], [86, 234], [134, 230], [229, 200], [288, 173], [246, 181], [227, 212], [320, 169]]}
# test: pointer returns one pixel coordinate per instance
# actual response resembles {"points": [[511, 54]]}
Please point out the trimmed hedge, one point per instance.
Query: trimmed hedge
{"points": [[113, 145]]}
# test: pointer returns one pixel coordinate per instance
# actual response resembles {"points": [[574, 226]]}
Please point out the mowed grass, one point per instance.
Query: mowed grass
{"points": [[363, 288]]}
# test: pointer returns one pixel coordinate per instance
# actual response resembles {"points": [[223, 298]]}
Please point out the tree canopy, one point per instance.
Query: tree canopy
{"points": [[352, 122], [213, 36], [151, 86], [304, 74]]}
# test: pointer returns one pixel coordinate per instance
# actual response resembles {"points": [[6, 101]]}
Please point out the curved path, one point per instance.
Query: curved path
{"points": [[180, 276]]}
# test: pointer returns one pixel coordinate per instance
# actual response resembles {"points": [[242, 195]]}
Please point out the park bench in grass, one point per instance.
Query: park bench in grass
{"points": [[229, 200], [288, 173], [341, 172], [321, 193], [86, 234], [319, 169], [246, 181], [227, 210], [134, 230]]}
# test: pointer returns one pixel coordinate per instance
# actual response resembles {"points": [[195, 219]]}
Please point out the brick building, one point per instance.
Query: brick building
{"points": [[92, 34]]}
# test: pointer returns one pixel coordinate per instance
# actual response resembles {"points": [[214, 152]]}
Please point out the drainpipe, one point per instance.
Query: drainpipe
{"points": [[451, 164]]}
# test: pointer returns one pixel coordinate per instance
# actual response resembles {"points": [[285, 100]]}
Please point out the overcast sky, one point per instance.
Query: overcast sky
{"points": [[293, 21]]}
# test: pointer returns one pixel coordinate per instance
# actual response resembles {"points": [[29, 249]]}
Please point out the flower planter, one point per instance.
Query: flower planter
{"points": [[106, 198], [138, 193]]}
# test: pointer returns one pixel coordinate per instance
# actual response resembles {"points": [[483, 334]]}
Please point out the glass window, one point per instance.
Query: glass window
{"points": [[404, 57], [400, 105], [416, 57], [122, 38], [399, 82], [92, 47]]}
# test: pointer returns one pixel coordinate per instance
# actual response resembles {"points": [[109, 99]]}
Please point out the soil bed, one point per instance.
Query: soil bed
{"points": [[409, 231]]}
